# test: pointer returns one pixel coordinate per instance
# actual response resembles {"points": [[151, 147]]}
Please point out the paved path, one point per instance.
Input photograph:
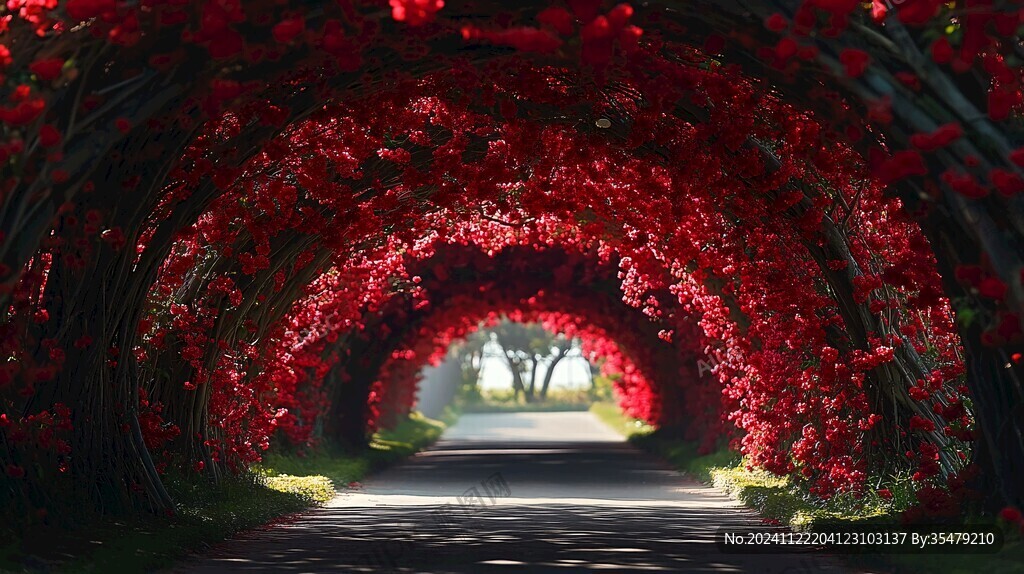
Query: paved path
{"points": [[524, 492]]}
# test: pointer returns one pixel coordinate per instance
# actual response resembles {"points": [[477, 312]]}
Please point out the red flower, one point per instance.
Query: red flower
{"points": [[48, 69], [1001, 102], [619, 16], [629, 38], [585, 10], [1017, 156], [49, 136], [1010, 514], [397, 155], [558, 19], [776, 22], [24, 113], [964, 184], [286, 30], [902, 164], [415, 12], [80, 10], [1007, 182], [918, 394], [879, 10], [786, 48], [941, 137], [15, 471], [992, 288], [942, 51], [523, 39], [918, 422], [919, 11], [855, 62]]}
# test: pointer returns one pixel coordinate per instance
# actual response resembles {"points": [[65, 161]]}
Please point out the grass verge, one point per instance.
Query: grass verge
{"points": [[774, 497], [611, 415], [505, 401], [208, 513], [777, 498], [524, 407], [387, 447]]}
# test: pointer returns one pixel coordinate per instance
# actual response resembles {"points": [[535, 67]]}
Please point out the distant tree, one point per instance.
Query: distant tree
{"points": [[527, 348], [470, 355], [560, 350]]}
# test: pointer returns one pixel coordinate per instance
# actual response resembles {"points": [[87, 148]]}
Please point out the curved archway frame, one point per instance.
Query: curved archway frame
{"points": [[947, 227]]}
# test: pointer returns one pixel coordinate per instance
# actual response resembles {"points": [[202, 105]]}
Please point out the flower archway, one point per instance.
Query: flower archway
{"points": [[188, 245]]}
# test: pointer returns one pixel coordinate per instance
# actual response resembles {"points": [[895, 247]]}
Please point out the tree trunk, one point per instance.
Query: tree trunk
{"points": [[531, 393], [563, 350], [592, 372], [517, 376]]}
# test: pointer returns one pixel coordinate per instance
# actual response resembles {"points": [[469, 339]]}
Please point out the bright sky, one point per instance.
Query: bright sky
{"points": [[570, 373]]}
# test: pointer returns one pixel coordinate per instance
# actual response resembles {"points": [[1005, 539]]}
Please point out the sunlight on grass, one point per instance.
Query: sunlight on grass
{"points": [[339, 468], [284, 483], [772, 496], [611, 415], [778, 498], [506, 401], [315, 489]]}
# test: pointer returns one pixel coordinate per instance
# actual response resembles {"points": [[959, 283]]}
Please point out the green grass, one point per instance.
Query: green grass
{"points": [[505, 401], [778, 498], [772, 496], [545, 407], [211, 514], [207, 513], [315, 489], [387, 447], [611, 415]]}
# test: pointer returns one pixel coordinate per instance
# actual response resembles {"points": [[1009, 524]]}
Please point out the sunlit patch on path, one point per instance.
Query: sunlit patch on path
{"points": [[524, 492]]}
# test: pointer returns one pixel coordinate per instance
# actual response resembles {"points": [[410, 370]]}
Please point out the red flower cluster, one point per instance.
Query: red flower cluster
{"points": [[415, 12], [816, 383], [307, 282]]}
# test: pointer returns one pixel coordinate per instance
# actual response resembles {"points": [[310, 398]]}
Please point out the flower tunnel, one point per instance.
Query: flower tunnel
{"points": [[262, 234], [568, 294]]}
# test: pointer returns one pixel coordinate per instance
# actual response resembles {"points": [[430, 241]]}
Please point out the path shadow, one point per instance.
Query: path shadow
{"points": [[570, 506], [503, 538]]}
